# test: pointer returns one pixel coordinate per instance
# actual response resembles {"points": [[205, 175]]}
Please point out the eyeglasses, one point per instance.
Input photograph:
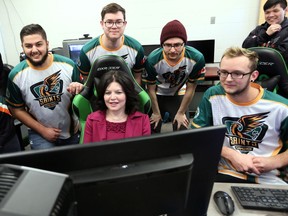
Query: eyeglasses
{"points": [[176, 45], [234, 74], [118, 23]]}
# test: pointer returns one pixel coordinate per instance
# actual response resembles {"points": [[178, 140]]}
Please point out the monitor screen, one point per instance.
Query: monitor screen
{"points": [[72, 48], [136, 167], [149, 48], [206, 47]]}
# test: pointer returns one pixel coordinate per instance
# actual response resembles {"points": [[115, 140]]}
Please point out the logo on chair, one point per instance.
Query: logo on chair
{"points": [[266, 63]]}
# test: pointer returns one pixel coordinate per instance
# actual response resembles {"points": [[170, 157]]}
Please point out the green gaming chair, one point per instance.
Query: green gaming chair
{"points": [[82, 103], [273, 73]]}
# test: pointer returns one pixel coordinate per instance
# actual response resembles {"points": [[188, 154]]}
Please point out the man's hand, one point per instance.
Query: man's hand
{"points": [[75, 88], [264, 164], [155, 118], [51, 134], [273, 28], [181, 119], [244, 163]]}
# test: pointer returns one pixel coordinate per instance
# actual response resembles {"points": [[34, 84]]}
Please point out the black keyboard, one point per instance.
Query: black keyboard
{"points": [[262, 198]]}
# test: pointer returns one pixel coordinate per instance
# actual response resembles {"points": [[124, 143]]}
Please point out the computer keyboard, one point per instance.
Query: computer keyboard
{"points": [[262, 198]]}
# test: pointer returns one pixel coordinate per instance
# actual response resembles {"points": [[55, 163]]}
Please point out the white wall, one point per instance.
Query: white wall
{"points": [[66, 19]]}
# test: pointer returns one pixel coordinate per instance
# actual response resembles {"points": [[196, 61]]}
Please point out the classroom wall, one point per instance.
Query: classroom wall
{"points": [[68, 19]]}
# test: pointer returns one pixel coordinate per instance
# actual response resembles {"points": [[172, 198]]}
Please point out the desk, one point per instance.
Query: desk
{"points": [[211, 73], [239, 210]]}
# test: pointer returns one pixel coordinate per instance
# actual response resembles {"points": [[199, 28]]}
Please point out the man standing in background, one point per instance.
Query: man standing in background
{"points": [[113, 41], [173, 72]]}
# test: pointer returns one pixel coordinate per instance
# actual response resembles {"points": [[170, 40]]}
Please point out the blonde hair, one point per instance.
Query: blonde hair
{"points": [[234, 52]]}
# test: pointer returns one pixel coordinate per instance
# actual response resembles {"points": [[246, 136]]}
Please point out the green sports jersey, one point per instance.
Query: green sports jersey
{"points": [[131, 51], [44, 92], [169, 79]]}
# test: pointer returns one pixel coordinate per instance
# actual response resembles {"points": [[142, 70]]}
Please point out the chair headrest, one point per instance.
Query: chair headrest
{"points": [[106, 63], [269, 83], [270, 62]]}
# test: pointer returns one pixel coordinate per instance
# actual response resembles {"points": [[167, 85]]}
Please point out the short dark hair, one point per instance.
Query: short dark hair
{"points": [[271, 3], [113, 8], [32, 29], [132, 100]]}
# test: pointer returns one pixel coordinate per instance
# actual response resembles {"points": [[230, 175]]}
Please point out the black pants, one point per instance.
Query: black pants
{"points": [[169, 104], [230, 179]]}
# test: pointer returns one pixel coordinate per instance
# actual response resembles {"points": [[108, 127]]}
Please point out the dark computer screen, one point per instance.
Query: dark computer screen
{"points": [[127, 168], [206, 47], [149, 48]]}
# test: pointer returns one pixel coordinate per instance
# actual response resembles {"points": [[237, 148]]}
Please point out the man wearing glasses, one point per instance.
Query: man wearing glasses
{"points": [[113, 41], [173, 71], [256, 140]]}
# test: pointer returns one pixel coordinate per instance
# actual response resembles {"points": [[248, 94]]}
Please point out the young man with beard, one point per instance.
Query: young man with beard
{"points": [[40, 90], [255, 145], [113, 41], [173, 72]]}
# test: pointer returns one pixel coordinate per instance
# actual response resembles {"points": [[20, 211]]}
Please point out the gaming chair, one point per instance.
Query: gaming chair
{"points": [[273, 73], [82, 104]]}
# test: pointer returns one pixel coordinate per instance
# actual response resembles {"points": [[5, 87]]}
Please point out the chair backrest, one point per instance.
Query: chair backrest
{"points": [[273, 70], [83, 102]]}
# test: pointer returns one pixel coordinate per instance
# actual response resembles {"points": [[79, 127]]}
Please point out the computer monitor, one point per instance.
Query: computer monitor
{"points": [[34, 192], [114, 167], [206, 47], [148, 48], [72, 48]]}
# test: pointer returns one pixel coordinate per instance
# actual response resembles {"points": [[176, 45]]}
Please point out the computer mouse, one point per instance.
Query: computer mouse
{"points": [[224, 202]]}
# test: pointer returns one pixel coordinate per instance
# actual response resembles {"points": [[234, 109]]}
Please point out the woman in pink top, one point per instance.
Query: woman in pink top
{"points": [[117, 114]]}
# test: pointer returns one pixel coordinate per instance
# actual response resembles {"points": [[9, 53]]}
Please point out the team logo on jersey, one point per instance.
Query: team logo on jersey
{"points": [[246, 132], [176, 77], [48, 93]]}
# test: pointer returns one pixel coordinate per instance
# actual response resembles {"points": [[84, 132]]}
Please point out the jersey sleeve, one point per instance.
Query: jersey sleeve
{"points": [[203, 116], [13, 93]]}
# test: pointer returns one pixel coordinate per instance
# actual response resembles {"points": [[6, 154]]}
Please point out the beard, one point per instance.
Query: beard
{"points": [[38, 63], [238, 92]]}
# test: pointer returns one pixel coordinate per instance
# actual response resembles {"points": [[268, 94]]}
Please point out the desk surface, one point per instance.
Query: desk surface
{"points": [[211, 71], [239, 210]]}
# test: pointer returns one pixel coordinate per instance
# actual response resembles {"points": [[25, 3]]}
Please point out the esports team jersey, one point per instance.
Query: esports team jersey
{"points": [[170, 79], [258, 128], [131, 51], [44, 92]]}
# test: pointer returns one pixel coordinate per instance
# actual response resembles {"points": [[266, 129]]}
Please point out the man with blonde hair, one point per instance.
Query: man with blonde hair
{"points": [[257, 121]]}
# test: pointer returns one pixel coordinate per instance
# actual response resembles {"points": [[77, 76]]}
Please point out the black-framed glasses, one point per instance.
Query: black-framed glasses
{"points": [[118, 23], [234, 74], [176, 45]]}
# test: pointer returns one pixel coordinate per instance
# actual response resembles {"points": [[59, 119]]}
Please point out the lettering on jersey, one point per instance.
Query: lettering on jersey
{"points": [[176, 77], [48, 93], [246, 133]]}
